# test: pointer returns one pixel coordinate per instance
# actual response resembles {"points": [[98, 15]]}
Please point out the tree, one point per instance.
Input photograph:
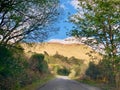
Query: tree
{"points": [[12, 68], [26, 19], [100, 19], [38, 64]]}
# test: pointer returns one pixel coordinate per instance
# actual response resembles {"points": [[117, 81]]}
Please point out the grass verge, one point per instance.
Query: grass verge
{"points": [[103, 86], [89, 82], [38, 83]]}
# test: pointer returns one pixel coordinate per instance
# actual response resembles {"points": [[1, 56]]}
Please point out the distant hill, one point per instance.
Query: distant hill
{"points": [[66, 48], [62, 55]]}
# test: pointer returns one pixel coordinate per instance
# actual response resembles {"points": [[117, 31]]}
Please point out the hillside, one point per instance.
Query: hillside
{"points": [[80, 51], [63, 56]]}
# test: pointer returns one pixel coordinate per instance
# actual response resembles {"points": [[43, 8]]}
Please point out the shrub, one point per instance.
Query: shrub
{"points": [[73, 60], [102, 72], [38, 64], [11, 68], [60, 57], [56, 68], [93, 72], [63, 71]]}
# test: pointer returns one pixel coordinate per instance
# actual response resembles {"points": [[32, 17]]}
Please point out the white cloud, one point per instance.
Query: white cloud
{"points": [[75, 3]]}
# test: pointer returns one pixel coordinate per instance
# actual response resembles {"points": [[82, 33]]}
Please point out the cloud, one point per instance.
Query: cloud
{"points": [[75, 3]]}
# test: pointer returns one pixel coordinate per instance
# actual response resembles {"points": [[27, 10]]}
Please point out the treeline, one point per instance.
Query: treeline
{"points": [[103, 72], [17, 70], [61, 65]]}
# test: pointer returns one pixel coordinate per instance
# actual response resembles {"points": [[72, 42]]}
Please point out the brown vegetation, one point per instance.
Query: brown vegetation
{"points": [[80, 51]]}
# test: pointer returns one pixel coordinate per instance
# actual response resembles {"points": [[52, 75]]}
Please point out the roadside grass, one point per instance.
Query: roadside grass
{"points": [[108, 87], [103, 86], [89, 82], [35, 85]]}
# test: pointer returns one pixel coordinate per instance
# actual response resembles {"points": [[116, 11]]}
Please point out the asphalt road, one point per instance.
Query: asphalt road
{"points": [[66, 84]]}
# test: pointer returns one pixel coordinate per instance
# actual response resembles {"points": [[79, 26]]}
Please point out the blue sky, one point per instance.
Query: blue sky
{"points": [[68, 8]]}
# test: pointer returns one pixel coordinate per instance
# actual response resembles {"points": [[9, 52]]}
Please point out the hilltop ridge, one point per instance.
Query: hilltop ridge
{"points": [[69, 40], [81, 40]]}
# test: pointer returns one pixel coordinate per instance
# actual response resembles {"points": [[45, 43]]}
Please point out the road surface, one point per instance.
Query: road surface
{"points": [[63, 83]]}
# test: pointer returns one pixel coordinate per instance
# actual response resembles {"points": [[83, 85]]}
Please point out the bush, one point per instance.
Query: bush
{"points": [[56, 68], [60, 57], [38, 64], [75, 61], [101, 72], [11, 68], [63, 71], [16, 72], [93, 72]]}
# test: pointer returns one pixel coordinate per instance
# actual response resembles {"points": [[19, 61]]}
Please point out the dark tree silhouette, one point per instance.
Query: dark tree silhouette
{"points": [[26, 19]]}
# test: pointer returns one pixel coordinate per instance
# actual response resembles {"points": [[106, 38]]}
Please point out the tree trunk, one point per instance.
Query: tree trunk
{"points": [[117, 80]]}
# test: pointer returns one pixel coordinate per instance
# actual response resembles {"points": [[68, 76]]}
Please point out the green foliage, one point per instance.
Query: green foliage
{"points": [[100, 19], [17, 71], [63, 71], [56, 68], [93, 72], [41, 81], [101, 72], [75, 61], [72, 60], [39, 57], [11, 68], [61, 57], [21, 18], [65, 66], [37, 63]]}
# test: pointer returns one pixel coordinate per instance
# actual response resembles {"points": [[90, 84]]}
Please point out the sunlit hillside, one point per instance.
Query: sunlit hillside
{"points": [[80, 51]]}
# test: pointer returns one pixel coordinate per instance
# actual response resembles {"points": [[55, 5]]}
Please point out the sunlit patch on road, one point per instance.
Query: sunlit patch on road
{"points": [[62, 77]]}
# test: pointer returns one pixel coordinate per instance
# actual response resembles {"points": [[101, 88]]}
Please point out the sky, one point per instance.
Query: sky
{"points": [[68, 7]]}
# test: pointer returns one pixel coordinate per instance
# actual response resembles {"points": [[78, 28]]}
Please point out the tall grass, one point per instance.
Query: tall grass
{"points": [[37, 84]]}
